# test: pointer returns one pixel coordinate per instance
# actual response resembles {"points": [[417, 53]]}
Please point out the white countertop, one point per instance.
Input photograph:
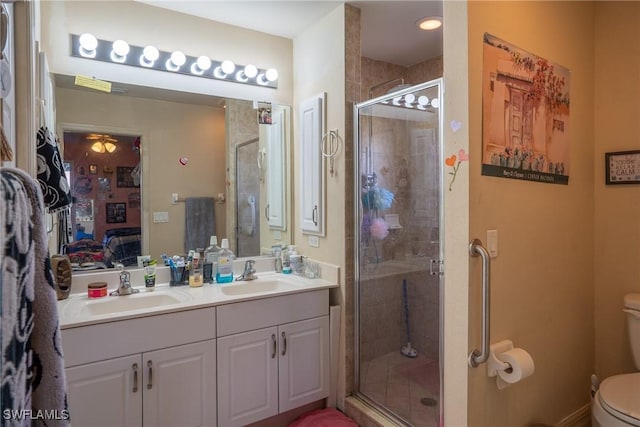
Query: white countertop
{"points": [[80, 310]]}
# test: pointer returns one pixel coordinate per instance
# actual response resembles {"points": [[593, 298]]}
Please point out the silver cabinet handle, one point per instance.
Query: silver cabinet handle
{"points": [[476, 357], [275, 345], [266, 213], [284, 343], [150, 376], [134, 367], [314, 215]]}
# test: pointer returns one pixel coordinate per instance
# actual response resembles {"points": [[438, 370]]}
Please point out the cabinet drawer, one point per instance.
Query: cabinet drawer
{"points": [[265, 312], [88, 344]]}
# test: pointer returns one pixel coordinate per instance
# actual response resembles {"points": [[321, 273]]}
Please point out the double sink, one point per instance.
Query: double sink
{"points": [[80, 308]]}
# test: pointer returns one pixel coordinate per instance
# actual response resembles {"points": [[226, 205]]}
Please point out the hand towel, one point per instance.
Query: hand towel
{"points": [[53, 181], [31, 361], [199, 222]]}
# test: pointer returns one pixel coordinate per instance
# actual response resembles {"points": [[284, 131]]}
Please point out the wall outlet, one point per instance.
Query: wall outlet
{"points": [[314, 241], [277, 235], [160, 217]]}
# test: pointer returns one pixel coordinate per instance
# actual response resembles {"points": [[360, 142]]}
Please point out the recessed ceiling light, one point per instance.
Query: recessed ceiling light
{"points": [[429, 23]]}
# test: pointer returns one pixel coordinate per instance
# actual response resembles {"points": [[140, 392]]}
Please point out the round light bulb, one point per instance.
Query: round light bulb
{"points": [[423, 100], [397, 100], [178, 58], [430, 23], [151, 53], [435, 103], [250, 71], [204, 63], [88, 41], [120, 47], [228, 67], [272, 74], [409, 98]]}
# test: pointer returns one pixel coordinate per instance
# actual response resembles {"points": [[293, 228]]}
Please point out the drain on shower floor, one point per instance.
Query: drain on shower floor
{"points": [[427, 401]]}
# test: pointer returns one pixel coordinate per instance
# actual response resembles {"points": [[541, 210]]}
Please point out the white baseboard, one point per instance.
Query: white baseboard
{"points": [[579, 418]]}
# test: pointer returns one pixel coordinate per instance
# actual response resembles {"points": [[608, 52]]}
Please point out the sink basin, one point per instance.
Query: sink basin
{"points": [[257, 287], [130, 302], [82, 307]]}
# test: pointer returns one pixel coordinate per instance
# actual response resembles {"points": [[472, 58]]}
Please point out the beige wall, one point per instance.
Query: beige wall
{"points": [[542, 281], [319, 66], [616, 208], [169, 131]]}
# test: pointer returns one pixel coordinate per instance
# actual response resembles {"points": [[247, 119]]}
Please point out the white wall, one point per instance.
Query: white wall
{"points": [[141, 24]]}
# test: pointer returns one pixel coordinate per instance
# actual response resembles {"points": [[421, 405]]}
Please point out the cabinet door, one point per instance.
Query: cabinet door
{"points": [[247, 377], [106, 393], [311, 166], [180, 385], [304, 362], [276, 170]]}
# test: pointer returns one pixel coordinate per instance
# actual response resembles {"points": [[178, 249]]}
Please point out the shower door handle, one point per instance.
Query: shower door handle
{"points": [[476, 357]]}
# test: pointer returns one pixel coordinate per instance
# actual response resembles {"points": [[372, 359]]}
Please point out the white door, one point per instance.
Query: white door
{"points": [[247, 377], [180, 386], [304, 362], [106, 393]]}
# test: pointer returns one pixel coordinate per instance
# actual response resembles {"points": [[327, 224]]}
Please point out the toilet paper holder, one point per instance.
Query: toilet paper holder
{"points": [[495, 365]]}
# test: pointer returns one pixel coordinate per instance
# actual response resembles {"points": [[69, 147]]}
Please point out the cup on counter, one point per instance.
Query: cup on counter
{"points": [[178, 276]]}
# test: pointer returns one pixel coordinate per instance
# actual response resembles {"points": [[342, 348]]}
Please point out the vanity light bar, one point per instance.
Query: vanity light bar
{"points": [[88, 46]]}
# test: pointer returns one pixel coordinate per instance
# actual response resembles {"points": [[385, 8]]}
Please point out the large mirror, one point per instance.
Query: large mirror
{"points": [[170, 143]]}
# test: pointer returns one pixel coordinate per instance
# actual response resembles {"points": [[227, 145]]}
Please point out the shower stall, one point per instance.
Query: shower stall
{"points": [[399, 252]]}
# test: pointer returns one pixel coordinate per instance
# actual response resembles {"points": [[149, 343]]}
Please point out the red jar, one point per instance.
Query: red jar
{"points": [[97, 289]]}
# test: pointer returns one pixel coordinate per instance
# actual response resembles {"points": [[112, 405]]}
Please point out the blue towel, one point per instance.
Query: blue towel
{"points": [[200, 222]]}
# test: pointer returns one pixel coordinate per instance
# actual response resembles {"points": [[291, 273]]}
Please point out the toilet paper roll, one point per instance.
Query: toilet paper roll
{"points": [[521, 365]]}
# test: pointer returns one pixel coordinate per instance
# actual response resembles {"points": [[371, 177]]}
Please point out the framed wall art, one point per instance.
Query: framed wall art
{"points": [[622, 167], [124, 177], [116, 213]]}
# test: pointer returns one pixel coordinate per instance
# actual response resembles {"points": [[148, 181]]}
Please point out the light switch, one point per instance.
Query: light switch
{"points": [[492, 243], [160, 217]]}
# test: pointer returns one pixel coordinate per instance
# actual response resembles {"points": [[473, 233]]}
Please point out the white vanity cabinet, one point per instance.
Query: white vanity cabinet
{"points": [[149, 371], [263, 371]]}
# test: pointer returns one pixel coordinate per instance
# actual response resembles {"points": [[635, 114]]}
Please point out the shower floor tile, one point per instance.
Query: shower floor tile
{"points": [[404, 386]]}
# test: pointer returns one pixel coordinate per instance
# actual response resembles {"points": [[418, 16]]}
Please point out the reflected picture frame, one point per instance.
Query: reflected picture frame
{"points": [[116, 213], [622, 167]]}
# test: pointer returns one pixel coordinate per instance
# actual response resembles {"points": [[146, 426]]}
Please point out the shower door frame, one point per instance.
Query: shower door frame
{"points": [[439, 83]]}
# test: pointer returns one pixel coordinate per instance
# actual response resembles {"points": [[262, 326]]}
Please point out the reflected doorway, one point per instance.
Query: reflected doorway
{"points": [[104, 171]]}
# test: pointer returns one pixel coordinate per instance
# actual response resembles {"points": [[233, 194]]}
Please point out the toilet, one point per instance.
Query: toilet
{"points": [[617, 401]]}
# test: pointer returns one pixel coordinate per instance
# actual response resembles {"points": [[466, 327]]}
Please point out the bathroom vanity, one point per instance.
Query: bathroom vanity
{"points": [[218, 355]]}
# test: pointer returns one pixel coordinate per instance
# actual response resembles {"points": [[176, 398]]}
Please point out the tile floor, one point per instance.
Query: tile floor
{"points": [[401, 385]]}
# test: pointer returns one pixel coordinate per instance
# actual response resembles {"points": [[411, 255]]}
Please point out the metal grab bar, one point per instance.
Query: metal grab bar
{"points": [[476, 357]]}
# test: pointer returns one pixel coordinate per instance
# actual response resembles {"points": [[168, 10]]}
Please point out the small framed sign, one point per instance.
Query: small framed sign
{"points": [[622, 167]]}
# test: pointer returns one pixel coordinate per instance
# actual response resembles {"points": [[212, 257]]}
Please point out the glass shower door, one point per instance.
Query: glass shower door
{"points": [[399, 253], [248, 199]]}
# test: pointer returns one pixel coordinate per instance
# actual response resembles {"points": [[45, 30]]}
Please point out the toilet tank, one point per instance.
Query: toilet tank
{"points": [[632, 310]]}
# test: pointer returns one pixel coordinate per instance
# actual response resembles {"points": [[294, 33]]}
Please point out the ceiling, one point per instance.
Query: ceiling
{"points": [[388, 28]]}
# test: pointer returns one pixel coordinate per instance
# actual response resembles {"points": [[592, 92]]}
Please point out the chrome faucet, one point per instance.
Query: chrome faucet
{"points": [[249, 271], [125, 283]]}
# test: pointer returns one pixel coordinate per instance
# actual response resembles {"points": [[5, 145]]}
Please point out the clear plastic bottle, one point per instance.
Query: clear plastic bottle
{"points": [[195, 274], [211, 260], [224, 273]]}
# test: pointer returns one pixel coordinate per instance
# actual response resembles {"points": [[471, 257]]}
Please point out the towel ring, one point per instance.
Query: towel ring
{"points": [[334, 146]]}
